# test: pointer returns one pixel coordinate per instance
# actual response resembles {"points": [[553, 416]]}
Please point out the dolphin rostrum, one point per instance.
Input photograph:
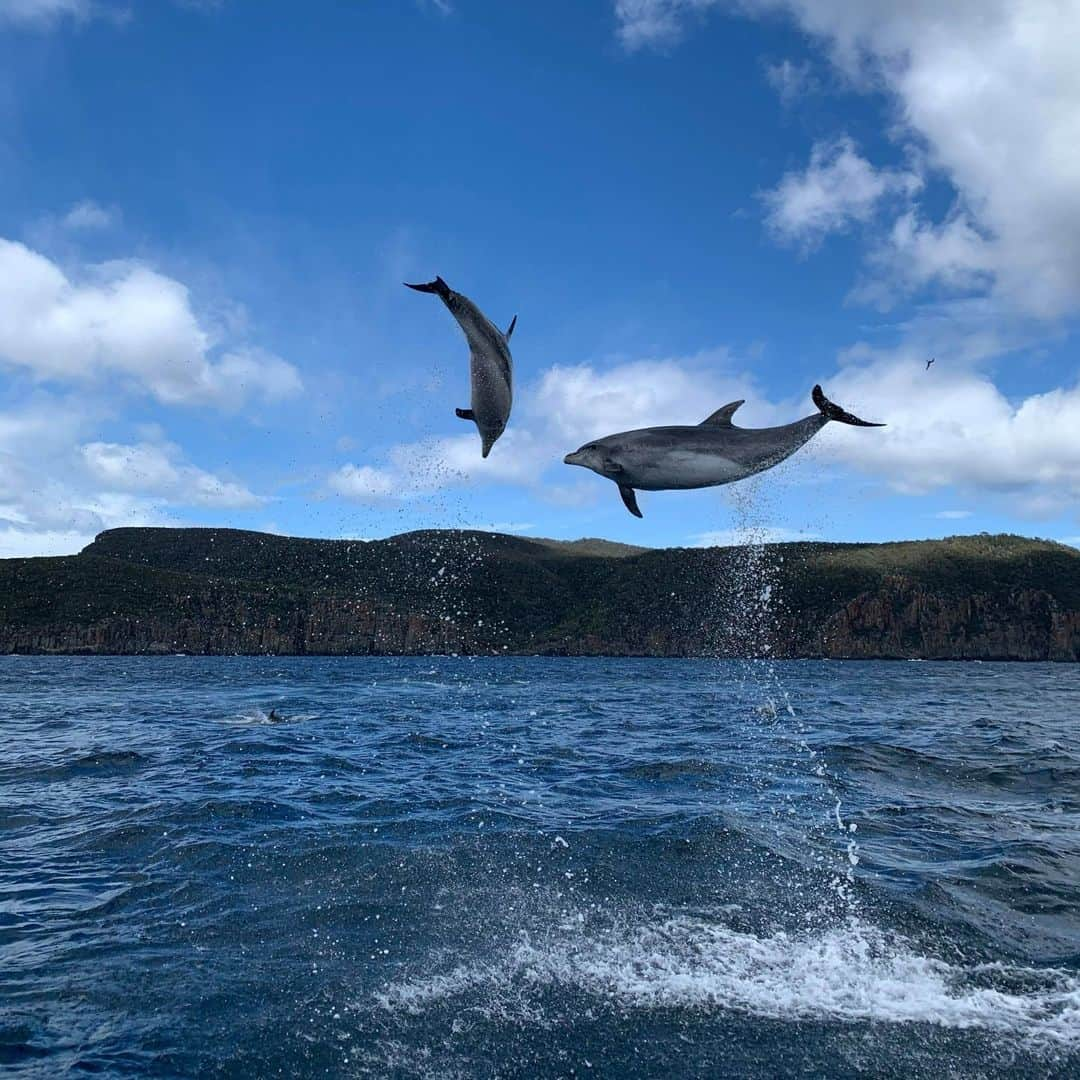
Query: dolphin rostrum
{"points": [[714, 452], [491, 368]]}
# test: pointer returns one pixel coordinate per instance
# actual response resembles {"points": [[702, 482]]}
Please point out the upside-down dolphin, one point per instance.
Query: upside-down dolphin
{"points": [[491, 368], [711, 453]]}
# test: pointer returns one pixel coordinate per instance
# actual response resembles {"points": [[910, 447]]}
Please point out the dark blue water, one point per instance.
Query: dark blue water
{"points": [[450, 867]]}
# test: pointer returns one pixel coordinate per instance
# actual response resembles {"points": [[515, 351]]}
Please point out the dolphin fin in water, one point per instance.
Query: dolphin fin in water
{"points": [[438, 287], [629, 498], [722, 416], [510, 328], [465, 414], [832, 411]]}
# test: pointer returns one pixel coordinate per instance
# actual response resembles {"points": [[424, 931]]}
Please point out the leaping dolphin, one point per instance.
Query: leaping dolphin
{"points": [[712, 453], [491, 367]]}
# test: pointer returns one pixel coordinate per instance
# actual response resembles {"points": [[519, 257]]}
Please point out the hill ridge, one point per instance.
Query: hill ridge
{"points": [[155, 590]]}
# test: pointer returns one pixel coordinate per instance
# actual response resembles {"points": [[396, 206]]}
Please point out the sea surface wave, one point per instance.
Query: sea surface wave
{"points": [[538, 867]]}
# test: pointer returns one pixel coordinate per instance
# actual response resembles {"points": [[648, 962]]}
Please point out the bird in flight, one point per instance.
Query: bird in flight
{"points": [[928, 363]]}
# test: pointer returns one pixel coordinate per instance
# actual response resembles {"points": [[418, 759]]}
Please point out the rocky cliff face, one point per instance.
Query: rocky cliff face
{"points": [[319, 628], [157, 591], [903, 620]]}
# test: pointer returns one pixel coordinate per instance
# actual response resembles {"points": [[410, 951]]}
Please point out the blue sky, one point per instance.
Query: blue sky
{"points": [[207, 211]]}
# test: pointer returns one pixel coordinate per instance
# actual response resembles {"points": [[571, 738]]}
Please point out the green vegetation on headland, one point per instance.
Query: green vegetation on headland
{"points": [[225, 591]]}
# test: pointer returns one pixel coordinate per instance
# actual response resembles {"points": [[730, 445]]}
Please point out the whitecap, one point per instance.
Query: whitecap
{"points": [[856, 972]]}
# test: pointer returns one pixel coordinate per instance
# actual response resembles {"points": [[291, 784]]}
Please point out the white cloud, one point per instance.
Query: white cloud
{"points": [[566, 407], [38, 13], [47, 14], [653, 23], [754, 534], [959, 430], [419, 468], [791, 81], [837, 188], [88, 215], [58, 489], [19, 543], [951, 429], [915, 253], [989, 90], [581, 402], [362, 482], [953, 515], [512, 527], [157, 469], [129, 322]]}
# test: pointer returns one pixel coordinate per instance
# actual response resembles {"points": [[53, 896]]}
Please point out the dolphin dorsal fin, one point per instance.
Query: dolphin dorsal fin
{"points": [[510, 328], [722, 416]]}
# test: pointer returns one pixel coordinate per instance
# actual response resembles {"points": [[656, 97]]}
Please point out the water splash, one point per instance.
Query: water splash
{"points": [[853, 972]]}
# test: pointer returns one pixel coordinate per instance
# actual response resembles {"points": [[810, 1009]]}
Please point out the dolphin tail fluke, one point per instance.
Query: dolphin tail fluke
{"points": [[438, 287], [832, 411], [465, 414], [629, 498]]}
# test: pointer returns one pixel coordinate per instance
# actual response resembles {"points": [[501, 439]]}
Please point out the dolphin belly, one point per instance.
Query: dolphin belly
{"points": [[491, 395], [682, 469]]}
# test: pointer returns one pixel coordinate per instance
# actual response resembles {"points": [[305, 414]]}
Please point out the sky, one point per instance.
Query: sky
{"points": [[207, 209]]}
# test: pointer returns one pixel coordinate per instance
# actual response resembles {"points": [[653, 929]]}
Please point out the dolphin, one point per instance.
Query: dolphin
{"points": [[491, 367], [712, 453]]}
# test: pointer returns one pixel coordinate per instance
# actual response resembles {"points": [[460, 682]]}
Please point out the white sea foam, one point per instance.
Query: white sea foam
{"points": [[256, 717], [853, 973]]}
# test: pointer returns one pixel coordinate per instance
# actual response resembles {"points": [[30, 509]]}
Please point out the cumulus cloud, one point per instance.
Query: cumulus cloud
{"points": [[88, 215], [157, 468], [838, 187], [581, 402], [966, 434], [916, 252], [59, 487], [989, 89], [419, 468], [126, 321], [955, 432], [20, 543], [564, 408]]}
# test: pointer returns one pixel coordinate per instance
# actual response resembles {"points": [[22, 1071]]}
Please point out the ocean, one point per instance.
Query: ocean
{"points": [[455, 867]]}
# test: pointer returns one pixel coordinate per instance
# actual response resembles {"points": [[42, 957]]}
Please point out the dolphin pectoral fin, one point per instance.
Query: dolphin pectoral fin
{"points": [[629, 498], [465, 414], [510, 328], [722, 416]]}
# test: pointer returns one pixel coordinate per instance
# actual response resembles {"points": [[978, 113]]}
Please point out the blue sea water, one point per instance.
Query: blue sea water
{"points": [[458, 867]]}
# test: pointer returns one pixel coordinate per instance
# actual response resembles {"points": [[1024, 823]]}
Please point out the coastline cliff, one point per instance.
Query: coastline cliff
{"points": [[225, 591]]}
